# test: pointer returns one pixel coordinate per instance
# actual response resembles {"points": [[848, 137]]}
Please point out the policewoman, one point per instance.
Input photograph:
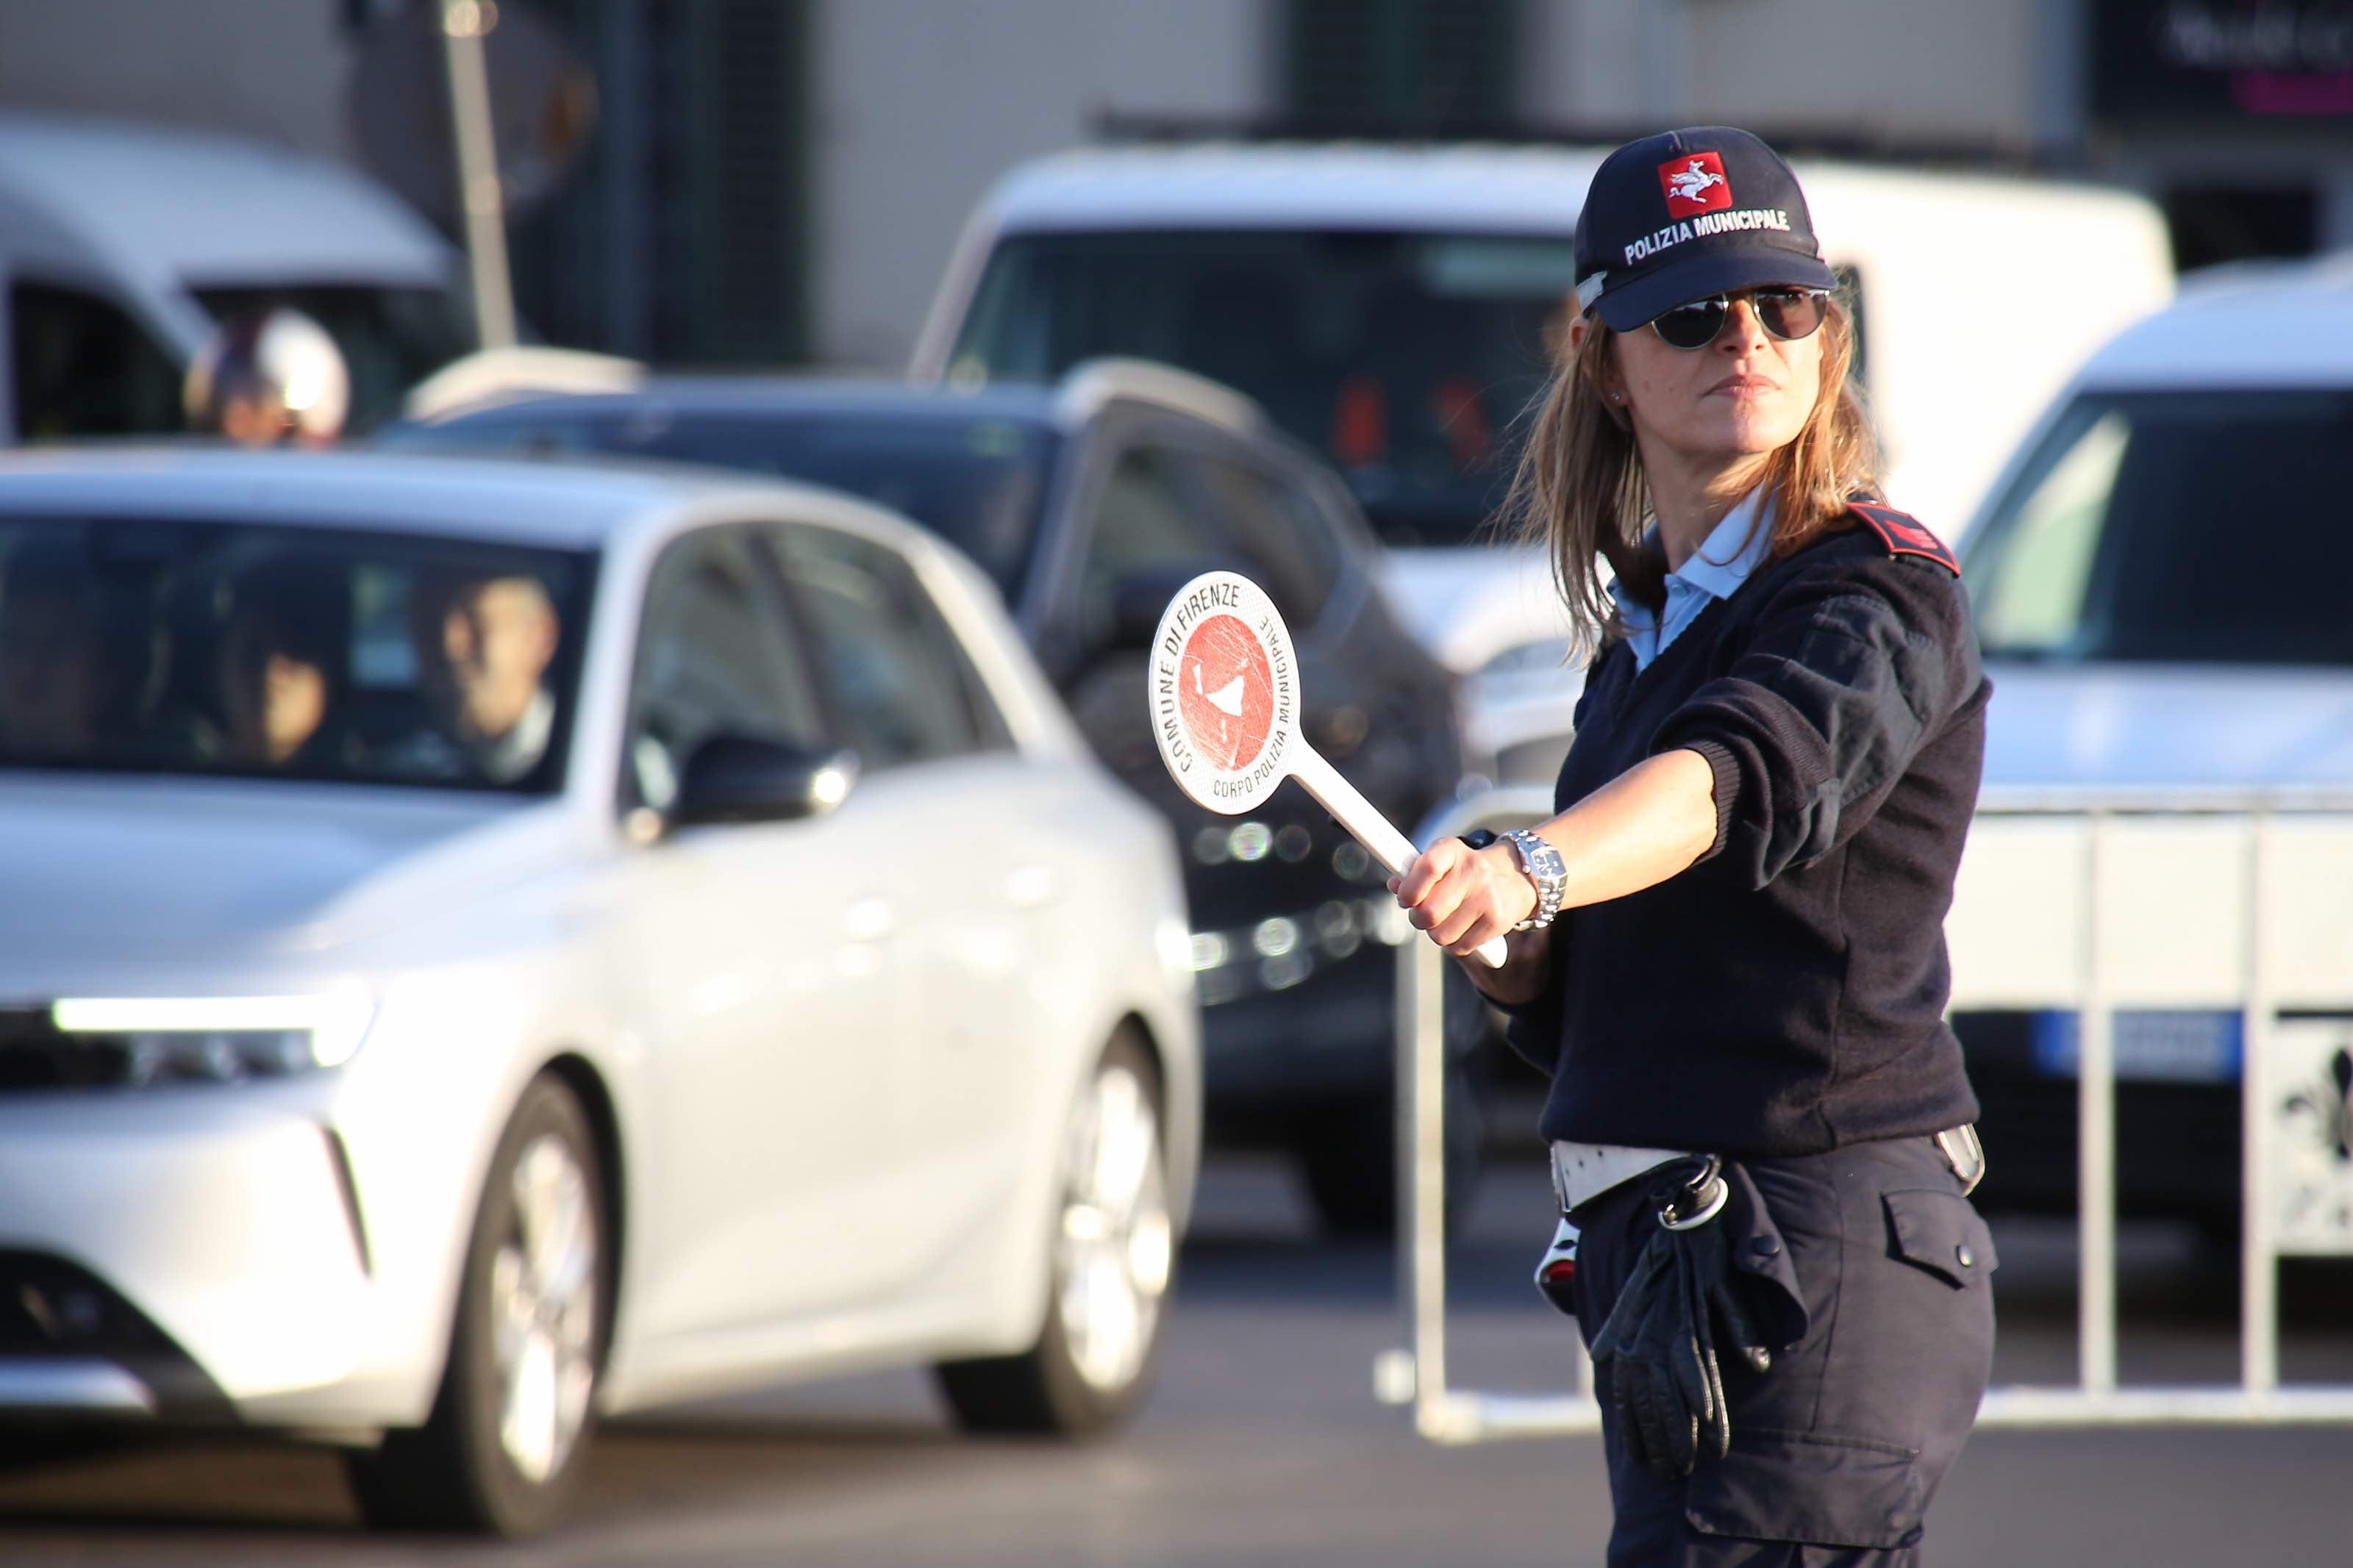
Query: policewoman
{"points": [[1727, 947]]}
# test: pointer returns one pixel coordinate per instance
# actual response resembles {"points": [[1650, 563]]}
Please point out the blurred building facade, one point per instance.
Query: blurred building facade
{"points": [[780, 180]]}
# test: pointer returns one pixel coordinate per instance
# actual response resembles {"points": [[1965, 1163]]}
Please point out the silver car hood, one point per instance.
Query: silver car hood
{"points": [[180, 870], [2136, 726], [1470, 603]]}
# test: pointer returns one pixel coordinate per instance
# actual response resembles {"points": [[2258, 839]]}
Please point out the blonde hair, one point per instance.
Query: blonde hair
{"points": [[1580, 492]]}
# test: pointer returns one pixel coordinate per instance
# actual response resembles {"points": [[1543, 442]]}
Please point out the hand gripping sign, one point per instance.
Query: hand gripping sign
{"points": [[1225, 709]]}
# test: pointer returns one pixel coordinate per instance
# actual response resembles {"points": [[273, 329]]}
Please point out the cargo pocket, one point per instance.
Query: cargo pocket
{"points": [[1942, 1233], [1819, 1488]]}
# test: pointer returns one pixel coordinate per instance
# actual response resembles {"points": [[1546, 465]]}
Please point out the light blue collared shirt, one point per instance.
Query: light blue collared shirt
{"points": [[1721, 563]]}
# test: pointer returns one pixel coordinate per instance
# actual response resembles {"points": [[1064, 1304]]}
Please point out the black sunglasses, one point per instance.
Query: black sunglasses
{"points": [[1787, 313]]}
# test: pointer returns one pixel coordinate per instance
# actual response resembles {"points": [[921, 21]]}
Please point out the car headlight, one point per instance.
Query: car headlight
{"points": [[221, 1038]]}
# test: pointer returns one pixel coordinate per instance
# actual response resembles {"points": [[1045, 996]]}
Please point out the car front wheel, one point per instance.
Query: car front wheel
{"points": [[1112, 1258], [503, 1448]]}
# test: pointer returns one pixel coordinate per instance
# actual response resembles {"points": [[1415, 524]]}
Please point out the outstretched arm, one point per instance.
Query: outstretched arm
{"points": [[1651, 821]]}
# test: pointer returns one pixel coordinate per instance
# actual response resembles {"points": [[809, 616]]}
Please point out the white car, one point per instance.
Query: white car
{"points": [[489, 944]]}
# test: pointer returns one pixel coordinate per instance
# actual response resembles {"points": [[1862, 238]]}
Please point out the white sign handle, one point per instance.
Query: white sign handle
{"points": [[1365, 823]]}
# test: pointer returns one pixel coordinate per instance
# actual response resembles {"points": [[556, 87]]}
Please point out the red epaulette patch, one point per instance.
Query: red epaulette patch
{"points": [[1903, 534]]}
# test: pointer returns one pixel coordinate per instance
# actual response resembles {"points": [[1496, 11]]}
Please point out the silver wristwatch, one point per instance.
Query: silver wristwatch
{"points": [[1546, 870]]}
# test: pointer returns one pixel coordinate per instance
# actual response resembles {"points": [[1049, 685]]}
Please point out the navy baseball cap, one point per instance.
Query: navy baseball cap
{"points": [[1687, 213]]}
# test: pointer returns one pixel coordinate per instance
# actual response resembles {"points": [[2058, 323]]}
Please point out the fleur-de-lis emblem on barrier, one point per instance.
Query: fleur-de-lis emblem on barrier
{"points": [[2330, 1105]]}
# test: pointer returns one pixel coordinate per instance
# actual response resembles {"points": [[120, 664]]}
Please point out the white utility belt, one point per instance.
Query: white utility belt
{"points": [[1583, 1171]]}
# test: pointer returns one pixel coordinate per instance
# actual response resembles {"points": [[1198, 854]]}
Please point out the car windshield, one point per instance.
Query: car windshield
{"points": [[979, 483], [391, 337], [1406, 358], [2200, 527], [140, 645]]}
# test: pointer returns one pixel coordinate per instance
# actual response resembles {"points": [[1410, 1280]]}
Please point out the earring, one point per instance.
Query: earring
{"points": [[1617, 397]]}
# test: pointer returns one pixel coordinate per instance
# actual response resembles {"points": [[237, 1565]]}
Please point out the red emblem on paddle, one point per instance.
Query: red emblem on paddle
{"points": [[1226, 693]]}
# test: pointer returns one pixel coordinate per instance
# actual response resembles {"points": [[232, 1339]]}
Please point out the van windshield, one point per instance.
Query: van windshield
{"points": [[1406, 359], [175, 647], [392, 337], [2198, 527]]}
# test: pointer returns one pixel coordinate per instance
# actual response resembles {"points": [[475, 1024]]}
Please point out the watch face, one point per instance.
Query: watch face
{"points": [[1542, 862]]}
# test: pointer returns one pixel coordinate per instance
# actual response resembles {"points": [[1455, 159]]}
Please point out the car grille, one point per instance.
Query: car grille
{"points": [[53, 1308], [36, 1055], [2177, 1145]]}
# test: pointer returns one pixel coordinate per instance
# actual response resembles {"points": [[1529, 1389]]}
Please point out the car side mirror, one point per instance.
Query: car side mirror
{"points": [[741, 779]]}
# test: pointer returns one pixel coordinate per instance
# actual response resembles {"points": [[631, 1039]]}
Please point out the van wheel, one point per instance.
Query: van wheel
{"points": [[1112, 1258], [502, 1451]]}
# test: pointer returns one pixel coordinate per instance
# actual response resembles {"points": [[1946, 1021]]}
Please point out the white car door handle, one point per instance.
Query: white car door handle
{"points": [[869, 919], [1031, 886]]}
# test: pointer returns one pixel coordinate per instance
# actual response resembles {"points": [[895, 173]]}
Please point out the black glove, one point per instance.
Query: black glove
{"points": [[1656, 1349]]}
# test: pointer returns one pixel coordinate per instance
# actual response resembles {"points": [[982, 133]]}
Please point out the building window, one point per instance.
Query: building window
{"points": [[1403, 67], [2211, 223], [682, 236]]}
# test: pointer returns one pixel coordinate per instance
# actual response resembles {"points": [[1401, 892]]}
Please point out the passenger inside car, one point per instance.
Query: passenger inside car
{"points": [[483, 648], [284, 668]]}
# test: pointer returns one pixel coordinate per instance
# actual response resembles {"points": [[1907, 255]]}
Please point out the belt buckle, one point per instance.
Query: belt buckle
{"points": [[1965, 1153]]}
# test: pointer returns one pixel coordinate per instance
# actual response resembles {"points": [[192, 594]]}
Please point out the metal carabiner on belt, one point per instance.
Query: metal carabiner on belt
{"points": [[1702, 1197]]}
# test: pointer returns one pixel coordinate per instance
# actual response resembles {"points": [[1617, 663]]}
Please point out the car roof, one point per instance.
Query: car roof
{"points": [[1063, 405], [2276, 324], [775, 394], [1239, 185], [1497, 187], [187, 207], [571, 505]]}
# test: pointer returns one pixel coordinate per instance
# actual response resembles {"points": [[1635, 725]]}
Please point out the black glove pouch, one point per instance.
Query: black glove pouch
{"points": [[1687, 1312], [1762, 1257]]}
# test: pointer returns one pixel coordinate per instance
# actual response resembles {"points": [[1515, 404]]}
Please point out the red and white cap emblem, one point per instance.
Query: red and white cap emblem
{"points": [[1694, 183]]}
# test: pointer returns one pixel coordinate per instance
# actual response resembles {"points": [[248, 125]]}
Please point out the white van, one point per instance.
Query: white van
{"points": [[121, 246], [1389, 306]]}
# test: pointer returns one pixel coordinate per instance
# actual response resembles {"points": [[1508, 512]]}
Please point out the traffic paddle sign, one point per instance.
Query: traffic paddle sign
{"points": [[1225, 711]]}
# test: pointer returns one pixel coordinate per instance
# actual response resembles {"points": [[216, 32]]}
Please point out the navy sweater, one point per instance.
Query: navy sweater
{"points": [[1786, 995]]}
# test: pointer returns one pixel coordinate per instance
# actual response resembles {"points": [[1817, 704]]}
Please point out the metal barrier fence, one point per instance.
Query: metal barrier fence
{"points": [[2090, 901]]}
